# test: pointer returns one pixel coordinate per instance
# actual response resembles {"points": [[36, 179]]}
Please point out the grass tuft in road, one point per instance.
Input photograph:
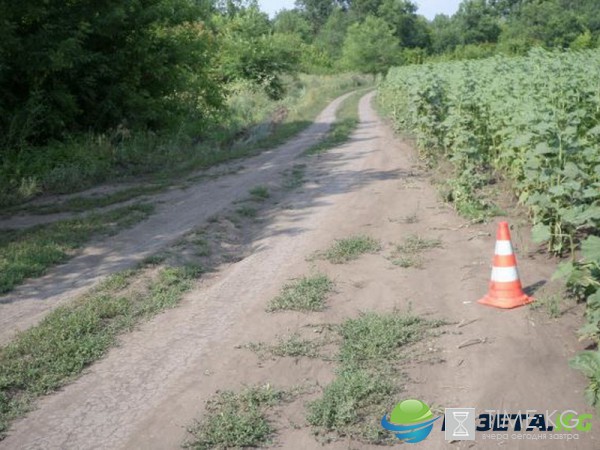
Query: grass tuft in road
{"points": [[235, 420], [294, 177], [355, 401], [345, 124], [351, 403], [409, 253], [260, 193], [29, 253], [349, 249], [374, 339], [293, 346], [306, 294], [247, 211], [49, 355]]}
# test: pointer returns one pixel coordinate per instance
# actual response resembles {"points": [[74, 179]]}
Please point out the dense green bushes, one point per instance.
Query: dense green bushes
{"points": [[86, 65], [249, 119]]}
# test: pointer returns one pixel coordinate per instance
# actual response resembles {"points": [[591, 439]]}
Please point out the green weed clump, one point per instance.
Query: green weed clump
{"points": [[293, 346], [235, 420], [349, 249], [409, 253], [306, 294], [260, 193], [362, 392]]}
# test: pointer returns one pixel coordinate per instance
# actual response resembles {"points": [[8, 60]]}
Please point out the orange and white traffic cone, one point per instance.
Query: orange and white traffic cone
{"points": [[505, 290]]}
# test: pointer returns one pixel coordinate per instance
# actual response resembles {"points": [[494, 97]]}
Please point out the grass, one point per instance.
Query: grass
{"points": [[202, 246], [306, 294], [31, 252], [346, 122], [294, 178], [352, 406], [551, 303], [235, 420], [362, 392], [409, 253], [293, 346], [373, 340], [349, 249], [260, 193], [49, 355], [81, 203], [247, 211]]}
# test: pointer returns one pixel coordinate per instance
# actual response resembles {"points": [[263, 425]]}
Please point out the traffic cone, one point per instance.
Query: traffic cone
{"points": [[505, 291]]}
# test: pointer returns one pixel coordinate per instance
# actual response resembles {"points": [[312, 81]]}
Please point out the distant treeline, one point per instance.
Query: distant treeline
{"points": [[82, 66]]}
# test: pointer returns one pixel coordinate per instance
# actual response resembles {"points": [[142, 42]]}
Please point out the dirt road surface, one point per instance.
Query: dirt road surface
{"points": [[148, 390], [177, 212]]}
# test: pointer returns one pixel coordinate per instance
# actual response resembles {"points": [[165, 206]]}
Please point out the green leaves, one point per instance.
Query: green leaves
{"points": [[534, 124], [541, 233], [591, 249]]}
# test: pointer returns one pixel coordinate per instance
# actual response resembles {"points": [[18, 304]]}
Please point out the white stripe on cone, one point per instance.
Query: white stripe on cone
{"points": [[504, 248], [504, 274]]}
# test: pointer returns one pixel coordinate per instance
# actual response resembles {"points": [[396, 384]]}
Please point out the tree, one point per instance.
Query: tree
{"points": [[333, 33], [251, 51], [370, 46], [411, 30], [292, 22], [477, 22], [445, 35], [317, 11], [90, 65], [545, 23]]}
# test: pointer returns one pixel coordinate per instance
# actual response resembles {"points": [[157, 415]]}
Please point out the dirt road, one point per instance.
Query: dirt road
{"points": [[177, 212], [146, 391]]}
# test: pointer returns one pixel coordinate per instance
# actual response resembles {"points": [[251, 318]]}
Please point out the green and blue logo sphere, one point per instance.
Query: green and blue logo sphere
{"points": [[411, 421]]}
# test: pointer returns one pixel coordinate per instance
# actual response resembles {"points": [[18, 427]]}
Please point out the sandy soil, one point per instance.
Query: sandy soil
{"points": [[148, 390]]}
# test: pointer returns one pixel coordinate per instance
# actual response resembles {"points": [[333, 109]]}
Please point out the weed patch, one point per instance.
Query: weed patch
{"points": [[294, 178], [260, 193], [374, 339], [306, 294], [349, 249], [293, 346], [247, 211], [352, 405], [234, 420], [409, 253], [361, 394]]}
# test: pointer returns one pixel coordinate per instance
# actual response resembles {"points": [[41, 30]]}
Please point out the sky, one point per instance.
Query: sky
{"points": [[428, 8]]}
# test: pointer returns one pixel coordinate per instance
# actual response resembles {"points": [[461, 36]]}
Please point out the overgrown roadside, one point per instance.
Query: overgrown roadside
{"points": [[31, 252], [177, 211], [256, 123]]}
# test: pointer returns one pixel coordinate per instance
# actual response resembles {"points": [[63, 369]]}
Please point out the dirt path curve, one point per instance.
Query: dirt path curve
{"points": [[146, 391], [177, 212]]}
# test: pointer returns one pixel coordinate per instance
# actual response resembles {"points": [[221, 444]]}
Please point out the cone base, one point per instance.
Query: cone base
{"points": [[506, 302]]}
